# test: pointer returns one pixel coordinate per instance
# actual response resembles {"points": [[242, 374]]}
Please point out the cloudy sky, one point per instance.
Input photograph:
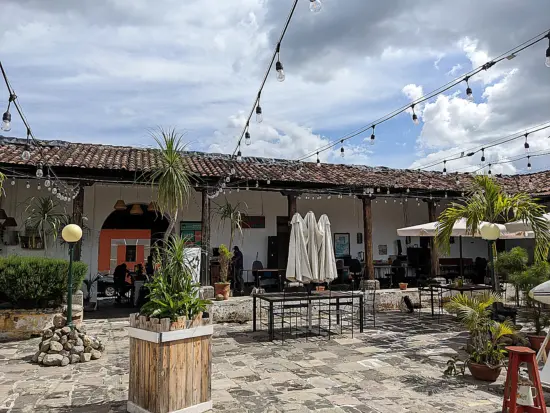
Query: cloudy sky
{"points": [[105, 71]]}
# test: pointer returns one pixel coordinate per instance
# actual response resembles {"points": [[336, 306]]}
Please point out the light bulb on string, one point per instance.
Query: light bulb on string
{"points": [[526, 144], [444, 168], [342, 148], [39, 171], [388, 191], [445, 194], [268, 181], [38, 186], [26, 155], [408, 190], [228, 179], [315, 6], [54, 190], [48, 181], [528, 163], [457, 181], [414, 117], [6, 117], [530, 183], [27, 185], [547, 61], [489, 171], [257, 184], [239, 155], [469, 93], [318, 160], [238, 189], [247, 139], [223, 185], [232, 171], [482, 156], [329, 196], [279, 66], [259, 115], [372, 136], [462, 194]]}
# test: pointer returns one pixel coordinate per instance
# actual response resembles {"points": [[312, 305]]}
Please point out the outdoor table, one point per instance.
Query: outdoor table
{"points": [[463, 289], [272, 298], [261, 271]]}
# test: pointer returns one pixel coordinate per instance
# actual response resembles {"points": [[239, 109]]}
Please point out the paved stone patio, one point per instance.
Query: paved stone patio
{"points": [[395, 367]]}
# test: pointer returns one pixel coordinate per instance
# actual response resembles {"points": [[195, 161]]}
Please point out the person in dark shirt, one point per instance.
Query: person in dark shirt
{"points": [[237, 265], [149, 268], [119, 278]]}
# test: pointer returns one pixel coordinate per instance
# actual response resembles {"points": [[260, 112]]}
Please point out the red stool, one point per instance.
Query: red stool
{"points": [[516, 356]]}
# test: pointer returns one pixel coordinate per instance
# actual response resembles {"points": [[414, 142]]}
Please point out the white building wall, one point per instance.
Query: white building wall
{"points": [[345, 216]]}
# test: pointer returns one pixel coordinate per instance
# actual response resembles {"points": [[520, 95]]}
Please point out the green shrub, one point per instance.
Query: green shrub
{"points": [[37, 282]]}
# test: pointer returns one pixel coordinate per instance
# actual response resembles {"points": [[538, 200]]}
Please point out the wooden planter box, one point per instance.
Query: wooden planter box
{"points": [[170, 365]]}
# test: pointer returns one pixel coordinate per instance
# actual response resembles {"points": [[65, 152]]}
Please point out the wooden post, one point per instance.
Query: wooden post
{"points": [[78, 211], [434, 256], [292, 205], [367, 226], [205, 224]]}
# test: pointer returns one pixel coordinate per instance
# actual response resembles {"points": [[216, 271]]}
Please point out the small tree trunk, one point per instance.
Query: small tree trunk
{"points": [[171, 226]]}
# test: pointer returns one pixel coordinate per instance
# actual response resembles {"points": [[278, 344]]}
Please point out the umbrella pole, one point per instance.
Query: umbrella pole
{"points": [[461, 261]]}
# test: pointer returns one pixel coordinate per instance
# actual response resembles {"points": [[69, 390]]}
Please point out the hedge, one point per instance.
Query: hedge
{"points": [[37, 282]]}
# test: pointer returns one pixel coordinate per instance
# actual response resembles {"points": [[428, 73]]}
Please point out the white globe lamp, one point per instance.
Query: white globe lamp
{"points": [[72, 233], [489, 232]]}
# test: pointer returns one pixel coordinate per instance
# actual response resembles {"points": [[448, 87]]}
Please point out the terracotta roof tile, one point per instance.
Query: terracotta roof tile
{"points": [[107, 157]]}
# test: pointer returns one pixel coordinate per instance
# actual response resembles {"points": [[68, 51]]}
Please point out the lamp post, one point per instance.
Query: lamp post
{"points": [[71, 234], [491, 232]]}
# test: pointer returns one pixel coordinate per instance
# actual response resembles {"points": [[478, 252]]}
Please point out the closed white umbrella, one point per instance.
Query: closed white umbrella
{"points": [[298, 267], [327, 260], [313, 243], [518, 226]]}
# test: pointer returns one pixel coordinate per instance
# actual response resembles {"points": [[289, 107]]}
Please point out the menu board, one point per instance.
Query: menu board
{"points": [[192, 232]]}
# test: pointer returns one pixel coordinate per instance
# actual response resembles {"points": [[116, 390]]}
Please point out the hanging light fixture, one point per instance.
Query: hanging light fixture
{"points": [[120, 205], [136, 210], [315, 6], [247, 139], [489, 172], [259, 115], [469, 93], [444, 168], [239, 155], [372, 136], [10, 222], [318, 160], [528, 162], [6, 118], [414, 117], [342, 148], [547, 61], [482, 156], [526, 144], [279, 66]]}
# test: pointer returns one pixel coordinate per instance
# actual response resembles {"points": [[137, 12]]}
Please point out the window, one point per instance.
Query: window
{"points": [[131, 253]]}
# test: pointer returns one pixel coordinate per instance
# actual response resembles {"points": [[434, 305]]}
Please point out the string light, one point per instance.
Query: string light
{"points": [[372, 136], [268, 181], [530, 183], [48, 181], [39, 172], [227, 179], [526, 144], [257, 184], [315, 6], [247, 139], [445, 194], [329, 197], [238, 189], [6, 118], [342, 149], [12, 182], [408, 190], [279, 66], [232, 171], [547, 61], [444, 168], [318, 160], [39, 187], [388, 191], [54, 190], [528, 163], [469, 93], [457, 180], [259, 116], [462, 194], [489, 171], [414, 117], [27, 185], [482, 156], [239, 155]]}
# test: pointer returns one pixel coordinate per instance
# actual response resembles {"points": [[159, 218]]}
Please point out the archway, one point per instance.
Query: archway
{"points": [[128, 238]]}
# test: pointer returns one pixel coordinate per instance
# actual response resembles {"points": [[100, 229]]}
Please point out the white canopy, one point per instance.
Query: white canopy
{"points": [[518, 226], [430, 230], [541, 293]]}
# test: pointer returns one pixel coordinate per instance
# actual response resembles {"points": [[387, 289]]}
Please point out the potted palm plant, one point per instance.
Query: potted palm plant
{"points": [[486, 205], [222, 287], [485, 348], [44, 222], [510, 263], [171, 340], [524, 281]]}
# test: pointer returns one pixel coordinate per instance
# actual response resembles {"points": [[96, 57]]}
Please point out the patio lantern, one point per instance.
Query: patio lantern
{"points": [[120, 205], [136, 210], [489, 232], [71, 233], [152, 207]]}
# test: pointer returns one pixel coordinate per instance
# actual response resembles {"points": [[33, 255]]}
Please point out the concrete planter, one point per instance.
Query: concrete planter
{"points": [[18, 324]]}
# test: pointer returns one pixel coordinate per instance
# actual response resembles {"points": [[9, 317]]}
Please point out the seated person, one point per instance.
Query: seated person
{"points": [[120, 280]]}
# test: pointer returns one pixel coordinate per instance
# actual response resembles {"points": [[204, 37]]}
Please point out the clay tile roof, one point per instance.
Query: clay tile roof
{"points": [[207, 165]]}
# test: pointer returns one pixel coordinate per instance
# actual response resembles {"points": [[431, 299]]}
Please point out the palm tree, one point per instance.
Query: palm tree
{"points": [[171, 176], [44, 219], [487, 202]]}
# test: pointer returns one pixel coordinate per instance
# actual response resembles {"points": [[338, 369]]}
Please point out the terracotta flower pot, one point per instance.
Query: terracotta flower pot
{"points": [[222, 289], [320, 288], [403, 286], [484, 372], [535, 342]]}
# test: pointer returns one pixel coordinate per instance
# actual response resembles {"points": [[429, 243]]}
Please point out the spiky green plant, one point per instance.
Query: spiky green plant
{"points": [[44, 218], [231, 214], [485, 334], [171, 175]]}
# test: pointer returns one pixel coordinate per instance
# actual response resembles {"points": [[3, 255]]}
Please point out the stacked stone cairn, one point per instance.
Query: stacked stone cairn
{"points": [[61, 346]]}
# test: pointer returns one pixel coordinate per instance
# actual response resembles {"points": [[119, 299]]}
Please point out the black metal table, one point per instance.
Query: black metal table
{"points": [[449, 287], [272, 298]]}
